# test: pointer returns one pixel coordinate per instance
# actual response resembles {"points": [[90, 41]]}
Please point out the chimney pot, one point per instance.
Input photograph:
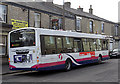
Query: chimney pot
{"points": [[80, 9], [91, 10], [90, 6]]}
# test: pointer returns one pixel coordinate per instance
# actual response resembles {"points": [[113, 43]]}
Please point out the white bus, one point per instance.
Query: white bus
{"points": [[45, 49]]}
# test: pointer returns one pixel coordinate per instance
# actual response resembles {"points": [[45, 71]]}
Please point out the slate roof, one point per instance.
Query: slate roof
{"points": [[84, 14], [46, 7], [51, 8]]}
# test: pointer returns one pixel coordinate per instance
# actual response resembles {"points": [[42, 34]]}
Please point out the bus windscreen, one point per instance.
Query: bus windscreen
{"points": [[21, 38]]}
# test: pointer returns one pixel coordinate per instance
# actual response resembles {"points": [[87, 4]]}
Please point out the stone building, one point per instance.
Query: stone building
{"points": [[40, 14], [53, 16]]}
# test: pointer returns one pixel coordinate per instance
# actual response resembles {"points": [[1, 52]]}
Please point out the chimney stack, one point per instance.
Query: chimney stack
{"points": [[67, 5], [91, 10], [80, 9]]}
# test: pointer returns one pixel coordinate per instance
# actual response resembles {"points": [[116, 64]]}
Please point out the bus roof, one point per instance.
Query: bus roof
{"points": [[43, 31]]}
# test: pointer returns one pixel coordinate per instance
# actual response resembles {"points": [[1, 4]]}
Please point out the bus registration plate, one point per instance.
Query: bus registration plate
{"points": [[22, 58]]}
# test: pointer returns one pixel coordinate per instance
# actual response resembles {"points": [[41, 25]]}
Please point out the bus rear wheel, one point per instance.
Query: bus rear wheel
{"points": [[68, 65], [99, 60]]}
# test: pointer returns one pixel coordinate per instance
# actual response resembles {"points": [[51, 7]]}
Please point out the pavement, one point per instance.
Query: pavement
{"points": [[4, 61], [4, 67]]}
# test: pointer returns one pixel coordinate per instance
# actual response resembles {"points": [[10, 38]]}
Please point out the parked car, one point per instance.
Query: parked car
{"points": [[115, 53]]}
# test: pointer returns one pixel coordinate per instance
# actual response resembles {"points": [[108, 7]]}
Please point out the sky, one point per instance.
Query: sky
{"points": [[107, 9]]}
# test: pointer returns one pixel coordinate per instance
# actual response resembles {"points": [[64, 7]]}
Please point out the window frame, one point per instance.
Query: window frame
{"points": [[78, 19], [59, 23], [4, 14], [116, 30], [102, 27], [3, 45], [38, 20], [91, 26]]}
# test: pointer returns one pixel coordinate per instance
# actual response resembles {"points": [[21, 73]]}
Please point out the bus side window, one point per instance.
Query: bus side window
{"points": [[48, 45], [99, 47], [103, 44], [43, 52], [77, 45], [59, 45], [92, 44], [68, 44], [86, 45], [107, 44], [76, 49]]}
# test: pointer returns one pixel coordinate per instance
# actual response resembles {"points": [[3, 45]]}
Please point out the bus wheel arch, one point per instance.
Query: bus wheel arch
{"points": [[68, 64]]}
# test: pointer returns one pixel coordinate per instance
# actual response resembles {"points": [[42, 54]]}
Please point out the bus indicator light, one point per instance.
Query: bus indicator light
{"points": [[37, 61]]}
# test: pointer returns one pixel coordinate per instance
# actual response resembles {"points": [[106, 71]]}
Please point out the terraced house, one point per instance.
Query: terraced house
{"points": [[52, 16]]}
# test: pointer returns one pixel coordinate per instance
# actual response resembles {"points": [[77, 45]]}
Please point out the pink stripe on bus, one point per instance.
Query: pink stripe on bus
{"points": [[48, 64], [11, 66], [105, 56]]}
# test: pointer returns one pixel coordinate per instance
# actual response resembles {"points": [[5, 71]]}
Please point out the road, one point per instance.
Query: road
{"points": [[105, 72]]}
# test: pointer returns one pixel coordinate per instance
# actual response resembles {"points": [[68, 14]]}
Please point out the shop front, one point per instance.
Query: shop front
{"points": [[4, 30]]}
